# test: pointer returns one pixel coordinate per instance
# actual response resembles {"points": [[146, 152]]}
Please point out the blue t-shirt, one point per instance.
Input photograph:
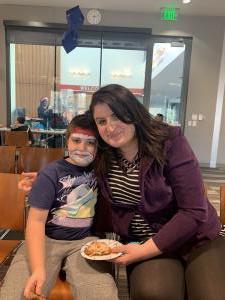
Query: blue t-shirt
{"points": [[69, 192]]}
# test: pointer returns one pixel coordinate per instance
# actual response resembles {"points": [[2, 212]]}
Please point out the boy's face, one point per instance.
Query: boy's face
{"points": [[82, 147]]}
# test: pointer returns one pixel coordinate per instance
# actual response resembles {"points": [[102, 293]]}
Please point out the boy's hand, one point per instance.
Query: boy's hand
{"points": [[34, 285], [26, 183]]}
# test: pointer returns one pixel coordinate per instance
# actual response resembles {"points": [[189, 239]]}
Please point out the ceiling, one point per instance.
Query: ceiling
{"points": [[197, 7]]}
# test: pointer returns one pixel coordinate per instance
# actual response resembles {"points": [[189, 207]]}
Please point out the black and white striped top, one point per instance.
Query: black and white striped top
{"points": [[126, 190], [222, 231]]}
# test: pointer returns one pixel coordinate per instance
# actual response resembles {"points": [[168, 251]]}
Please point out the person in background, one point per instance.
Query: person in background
{"points": [[150, 181], [62, 206], [20, 125], [45, 113], [159, 117]]}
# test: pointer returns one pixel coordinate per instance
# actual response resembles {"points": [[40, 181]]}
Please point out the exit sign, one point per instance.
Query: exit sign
{"points": [[168, 14]]}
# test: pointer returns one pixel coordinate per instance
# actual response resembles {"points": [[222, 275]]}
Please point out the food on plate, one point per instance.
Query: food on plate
{"points": [[97, 248]]}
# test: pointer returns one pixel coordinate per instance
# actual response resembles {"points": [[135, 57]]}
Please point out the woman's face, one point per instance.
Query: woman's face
{"points": [[112, 130]]}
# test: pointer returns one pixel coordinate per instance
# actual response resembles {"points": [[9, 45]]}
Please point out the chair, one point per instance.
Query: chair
{"points": [[32, 159], [12, 207], [222, 204], [61, 291], [7, 159], [17, 138]]}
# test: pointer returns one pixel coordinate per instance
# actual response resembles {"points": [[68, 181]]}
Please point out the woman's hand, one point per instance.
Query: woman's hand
{"points": [[34, 285], [26, 183], [135, 252]]}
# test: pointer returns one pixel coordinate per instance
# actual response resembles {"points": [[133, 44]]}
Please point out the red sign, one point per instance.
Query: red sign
{"points": [[91, 89]]}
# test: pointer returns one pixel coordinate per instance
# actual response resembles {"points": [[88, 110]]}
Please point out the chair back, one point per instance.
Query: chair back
{"points": [[222, 204], [16, 138], [12, 202], [32, 159], [7, 159]]}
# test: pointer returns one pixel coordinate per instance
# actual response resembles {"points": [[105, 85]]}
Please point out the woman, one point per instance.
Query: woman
{"points": [[152, 195], [151, 183]]}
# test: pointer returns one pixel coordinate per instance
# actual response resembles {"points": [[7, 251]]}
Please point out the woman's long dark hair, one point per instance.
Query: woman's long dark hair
{"points": [[151, 134]]}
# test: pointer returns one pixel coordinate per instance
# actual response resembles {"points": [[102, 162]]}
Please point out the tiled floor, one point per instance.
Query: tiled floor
{"points": [[213, 178]]}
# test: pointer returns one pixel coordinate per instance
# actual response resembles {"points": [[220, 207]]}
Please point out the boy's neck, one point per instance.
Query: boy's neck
{"points": [[71, 161]]}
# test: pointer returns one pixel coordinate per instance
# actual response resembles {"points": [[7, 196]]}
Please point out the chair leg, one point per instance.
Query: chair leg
{"points": [[4, 233], [117, 274]]}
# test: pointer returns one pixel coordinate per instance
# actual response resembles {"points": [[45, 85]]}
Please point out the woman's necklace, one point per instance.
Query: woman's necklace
{"points": [[129, 166]]}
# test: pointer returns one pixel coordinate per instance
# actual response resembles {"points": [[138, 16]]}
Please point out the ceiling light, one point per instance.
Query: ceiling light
{"points": [[186, 1]]}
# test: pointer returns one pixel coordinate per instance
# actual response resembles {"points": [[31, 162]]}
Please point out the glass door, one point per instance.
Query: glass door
{"points": [[78, 75], [169, 78], [124, 60]]}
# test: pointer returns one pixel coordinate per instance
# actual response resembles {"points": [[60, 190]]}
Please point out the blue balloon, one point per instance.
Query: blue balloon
{"points": [[75, 19]]}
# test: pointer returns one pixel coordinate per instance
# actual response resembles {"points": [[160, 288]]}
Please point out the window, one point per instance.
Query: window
{"points": [[154, 68], [41, 69]]}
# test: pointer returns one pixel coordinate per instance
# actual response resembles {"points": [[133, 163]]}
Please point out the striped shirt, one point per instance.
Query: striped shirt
{"points": [[126, 190], [222, 231]]}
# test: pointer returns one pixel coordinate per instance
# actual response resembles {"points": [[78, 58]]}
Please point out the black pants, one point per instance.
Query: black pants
{"points": [[202, 277]]}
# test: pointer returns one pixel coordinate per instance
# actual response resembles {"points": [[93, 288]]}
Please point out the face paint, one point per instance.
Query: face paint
{"points": [[82, 147], [84, 132], [81, 158]]}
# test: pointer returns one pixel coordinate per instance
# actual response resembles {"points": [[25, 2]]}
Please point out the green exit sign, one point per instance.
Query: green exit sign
{"points": [[168, 14]]}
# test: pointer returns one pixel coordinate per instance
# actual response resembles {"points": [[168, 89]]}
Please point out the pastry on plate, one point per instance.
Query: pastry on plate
{"points": [[98, 249]]}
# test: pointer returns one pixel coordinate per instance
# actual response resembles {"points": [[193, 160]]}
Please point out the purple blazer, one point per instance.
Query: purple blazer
{"points": [[173, 201]]}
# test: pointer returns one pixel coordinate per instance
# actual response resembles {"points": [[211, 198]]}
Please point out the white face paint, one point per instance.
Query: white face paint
{"points": [[81, 158], [82, 148]]}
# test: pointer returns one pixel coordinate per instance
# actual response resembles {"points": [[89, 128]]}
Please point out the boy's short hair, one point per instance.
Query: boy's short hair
{"points": [[82, 121]]}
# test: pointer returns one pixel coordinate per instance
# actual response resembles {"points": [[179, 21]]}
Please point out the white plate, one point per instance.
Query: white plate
{"points": [[110, 243]]}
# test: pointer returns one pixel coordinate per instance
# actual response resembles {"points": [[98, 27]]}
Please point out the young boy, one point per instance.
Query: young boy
{"points": [[62, 203]]}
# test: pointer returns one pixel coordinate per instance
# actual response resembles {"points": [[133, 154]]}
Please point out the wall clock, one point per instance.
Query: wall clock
{"points": [[94, 16]]}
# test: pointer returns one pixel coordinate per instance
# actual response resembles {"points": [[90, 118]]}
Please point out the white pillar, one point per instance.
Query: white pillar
{"points": [[218, 111]]}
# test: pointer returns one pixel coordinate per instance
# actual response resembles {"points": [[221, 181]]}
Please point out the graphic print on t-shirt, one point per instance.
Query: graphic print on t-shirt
{"points": [[78, 196]]}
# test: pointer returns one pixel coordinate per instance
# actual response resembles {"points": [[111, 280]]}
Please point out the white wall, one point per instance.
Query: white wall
{"points": [[205, 62]]}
